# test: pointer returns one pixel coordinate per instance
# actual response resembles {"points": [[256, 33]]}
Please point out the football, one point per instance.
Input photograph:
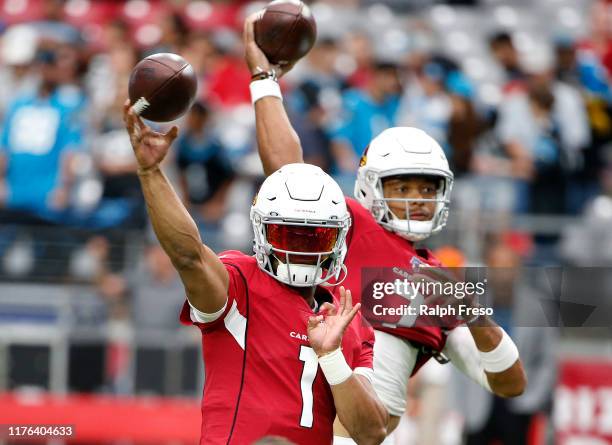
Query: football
{"points": [[162, 87], [286, 31]]}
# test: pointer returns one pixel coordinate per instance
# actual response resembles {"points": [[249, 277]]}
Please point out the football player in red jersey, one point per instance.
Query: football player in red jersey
{"points": [[268, 322], [403, 193]]}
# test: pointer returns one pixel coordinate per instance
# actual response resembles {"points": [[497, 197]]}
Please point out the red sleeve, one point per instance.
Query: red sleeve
{"points": [[236, 295], [366, 358]]}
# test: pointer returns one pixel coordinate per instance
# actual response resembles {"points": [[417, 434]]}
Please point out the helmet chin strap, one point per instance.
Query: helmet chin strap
{"points": [[342, 269]]}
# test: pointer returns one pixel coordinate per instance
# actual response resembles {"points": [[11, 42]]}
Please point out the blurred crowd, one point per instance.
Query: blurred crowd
{"points": [[518, 94]]}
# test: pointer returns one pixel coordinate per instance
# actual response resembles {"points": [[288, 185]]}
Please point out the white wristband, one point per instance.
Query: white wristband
{"points": [[502, 357], [202, 317], [263, 88], [334, 367]]}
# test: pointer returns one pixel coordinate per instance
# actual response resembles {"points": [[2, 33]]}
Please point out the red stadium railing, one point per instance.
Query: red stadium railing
{"points": [[106, 419]]}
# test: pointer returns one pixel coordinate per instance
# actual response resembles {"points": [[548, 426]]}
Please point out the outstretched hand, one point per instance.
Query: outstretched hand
{"points": [[254, 56], [325, 331], [150, 147]]}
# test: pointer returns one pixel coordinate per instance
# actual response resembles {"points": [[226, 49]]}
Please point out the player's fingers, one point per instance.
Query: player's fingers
{"points": [[328, 309], [171, 135], [346, 319], [314, 321], [140, 123], [129, 123], [126, 107], [127, 115], [342, 299], [352, 313], [349, 301], [134, 123], [133, 130]]}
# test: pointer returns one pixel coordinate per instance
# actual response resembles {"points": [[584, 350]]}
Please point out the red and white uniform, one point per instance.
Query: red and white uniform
{"points": [[398, 351], [261, 375], [370, 245]]}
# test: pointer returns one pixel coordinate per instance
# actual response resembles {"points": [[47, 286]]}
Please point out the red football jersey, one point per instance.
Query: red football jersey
{"points": [[372, 246], [261, 375]]}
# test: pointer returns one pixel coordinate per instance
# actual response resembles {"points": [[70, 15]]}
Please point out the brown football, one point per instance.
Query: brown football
{"points": [[286, 31], [162, 87]]}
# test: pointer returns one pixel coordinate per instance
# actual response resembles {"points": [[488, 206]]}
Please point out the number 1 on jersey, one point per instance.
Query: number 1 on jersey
{"points": [[311, 365]]}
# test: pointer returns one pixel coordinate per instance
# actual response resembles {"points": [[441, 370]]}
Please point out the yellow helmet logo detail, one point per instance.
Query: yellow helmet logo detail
{"points": [[364, 157]]}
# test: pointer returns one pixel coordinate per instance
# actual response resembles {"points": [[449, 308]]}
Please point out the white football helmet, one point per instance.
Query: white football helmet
{"points": [[300, 222], [403, 151]]}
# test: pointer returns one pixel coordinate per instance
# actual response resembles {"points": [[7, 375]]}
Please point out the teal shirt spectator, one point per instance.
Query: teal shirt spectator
{"points": [[593, 77], [362, 119], [36, 133]]}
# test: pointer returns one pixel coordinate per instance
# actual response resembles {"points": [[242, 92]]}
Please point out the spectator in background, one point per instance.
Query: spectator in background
{"points": [[53, 26], [316, 100], [108, 76], [115, 33], [202, 54], [490, 419], [121, 201], [426, 104], [583, 72], [530, 137], [205, 173], [588, 242], [320, 66], [545, 130], [310, 118], [365, 113], [501, 171], [600, 41], [465, 125], [225, 81], [147, 300], [503, 50], [547, 190], [568, 109], [580, 69], [40, 133], [174, 34], [157, 291], [359, 48], [18, 49], [113, 290]]}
